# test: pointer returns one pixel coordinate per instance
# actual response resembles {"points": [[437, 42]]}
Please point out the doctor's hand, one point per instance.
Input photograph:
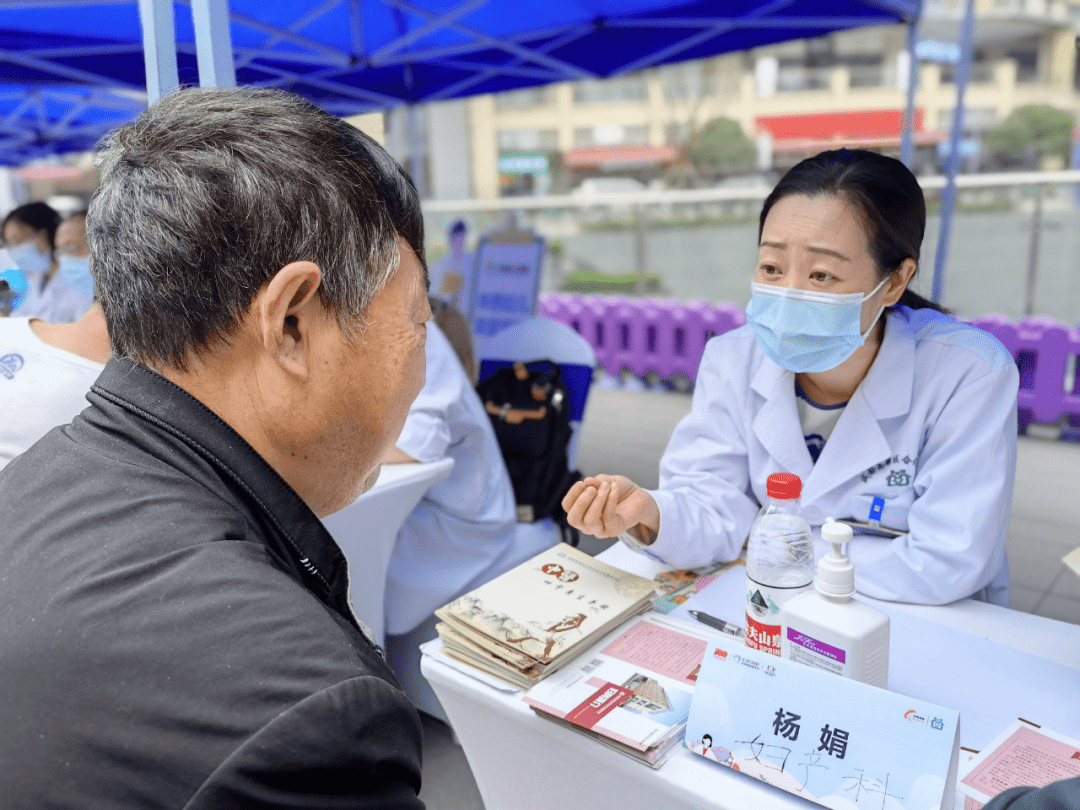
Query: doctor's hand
{"points": [[608, 505]]}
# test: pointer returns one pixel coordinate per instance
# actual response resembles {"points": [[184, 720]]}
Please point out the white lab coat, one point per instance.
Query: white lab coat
{"points": [[464, 531], [931, 430], [57, 303]]}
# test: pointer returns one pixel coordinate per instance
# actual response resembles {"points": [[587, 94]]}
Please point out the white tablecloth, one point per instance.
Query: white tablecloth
{"points": [[522, 761]]}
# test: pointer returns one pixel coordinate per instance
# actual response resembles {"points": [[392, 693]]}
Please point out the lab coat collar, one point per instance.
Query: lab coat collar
{"points": [[857, 442], [776, 424]]}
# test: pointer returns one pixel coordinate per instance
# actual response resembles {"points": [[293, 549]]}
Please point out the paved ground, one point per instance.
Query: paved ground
{"points": [[625, 432]]}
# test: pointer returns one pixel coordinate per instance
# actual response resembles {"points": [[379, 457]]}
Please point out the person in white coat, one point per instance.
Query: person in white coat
{"points": [[886, 407], [464, 531]]}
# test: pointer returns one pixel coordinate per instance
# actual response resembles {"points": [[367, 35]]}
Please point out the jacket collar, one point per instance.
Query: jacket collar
{"points": [[857, 442], [292, 530]]}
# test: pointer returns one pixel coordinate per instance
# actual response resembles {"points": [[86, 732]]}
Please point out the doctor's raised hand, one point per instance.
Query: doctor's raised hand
{"points": [[610, 505], [887, 408]]}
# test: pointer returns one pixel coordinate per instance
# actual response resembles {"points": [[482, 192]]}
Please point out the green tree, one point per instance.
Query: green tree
{"points": [[720, 145], [1031, 134]]}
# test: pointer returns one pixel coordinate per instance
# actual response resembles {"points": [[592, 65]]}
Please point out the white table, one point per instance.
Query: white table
{"points": [[522, 761], [367, 529]]}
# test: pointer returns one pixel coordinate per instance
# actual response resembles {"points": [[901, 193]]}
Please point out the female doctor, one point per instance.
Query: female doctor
{"points": [[875, 398]]}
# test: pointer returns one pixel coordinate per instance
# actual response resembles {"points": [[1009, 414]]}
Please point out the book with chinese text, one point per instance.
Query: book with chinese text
{"points": [[530, 621]]}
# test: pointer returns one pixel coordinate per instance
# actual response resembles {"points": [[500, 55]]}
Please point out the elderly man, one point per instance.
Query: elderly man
{"points": [[176, 628]]}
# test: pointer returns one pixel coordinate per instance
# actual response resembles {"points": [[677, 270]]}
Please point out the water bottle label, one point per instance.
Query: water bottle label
{"points": [[763, 604]]}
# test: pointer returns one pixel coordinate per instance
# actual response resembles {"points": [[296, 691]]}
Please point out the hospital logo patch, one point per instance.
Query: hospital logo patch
{"points": [[9, 364]]}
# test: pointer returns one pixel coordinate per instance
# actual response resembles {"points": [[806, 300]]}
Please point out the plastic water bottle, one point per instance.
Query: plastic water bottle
{"points": [[779, 561]]}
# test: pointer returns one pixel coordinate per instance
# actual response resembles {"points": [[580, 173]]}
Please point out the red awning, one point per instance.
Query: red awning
{"points": [[588, 157], [34, 173], [837, 126]]}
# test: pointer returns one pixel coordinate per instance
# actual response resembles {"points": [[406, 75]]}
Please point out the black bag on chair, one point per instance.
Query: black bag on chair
{"points": [[529, 406]]}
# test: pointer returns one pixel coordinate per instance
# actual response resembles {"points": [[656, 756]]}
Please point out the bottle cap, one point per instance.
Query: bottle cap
{"points": [[835, 573], [784, 486]]}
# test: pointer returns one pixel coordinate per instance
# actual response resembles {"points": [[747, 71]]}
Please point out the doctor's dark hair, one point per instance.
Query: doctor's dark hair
{"points": [[211, 191], [38, 216], [885, 193]]}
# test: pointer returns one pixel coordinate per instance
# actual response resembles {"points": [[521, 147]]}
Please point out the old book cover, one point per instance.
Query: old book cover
{"points": [[550, 603]]}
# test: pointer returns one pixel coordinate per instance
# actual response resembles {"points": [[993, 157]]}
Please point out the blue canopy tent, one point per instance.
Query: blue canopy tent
{"points": [[70, 70], [352, 56]]}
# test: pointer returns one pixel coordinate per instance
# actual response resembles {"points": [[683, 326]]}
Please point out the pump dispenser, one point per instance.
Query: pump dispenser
{"points": [[826, 628]]}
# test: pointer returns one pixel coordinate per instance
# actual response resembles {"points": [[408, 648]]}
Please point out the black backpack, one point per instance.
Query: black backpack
{"points": [[529, 406]]}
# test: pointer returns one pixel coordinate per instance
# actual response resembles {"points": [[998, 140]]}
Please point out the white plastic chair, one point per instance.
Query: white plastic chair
{"points": [[367, 530], [547, 339]]}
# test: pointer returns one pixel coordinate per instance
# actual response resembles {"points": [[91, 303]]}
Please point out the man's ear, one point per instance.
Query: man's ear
{"points": [[285, 310], [898, 282]]}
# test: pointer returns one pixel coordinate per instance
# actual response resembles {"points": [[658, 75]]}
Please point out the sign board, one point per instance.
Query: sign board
{"points": [[538, 163], [931, 50], [505, 281], [831, 740]]}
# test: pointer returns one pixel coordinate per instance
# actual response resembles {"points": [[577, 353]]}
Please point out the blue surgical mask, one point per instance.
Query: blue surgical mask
{"points": [[28, 258], [76, 272], [805, 331]]}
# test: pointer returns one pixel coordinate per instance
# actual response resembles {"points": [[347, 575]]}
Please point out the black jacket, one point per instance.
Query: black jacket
{"points": [[175, 628]]}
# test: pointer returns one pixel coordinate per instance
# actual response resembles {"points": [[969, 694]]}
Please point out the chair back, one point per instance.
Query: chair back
{"points": [[546, 339], [367, 529]]}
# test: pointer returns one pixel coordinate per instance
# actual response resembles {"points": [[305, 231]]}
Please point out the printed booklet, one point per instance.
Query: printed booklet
{"points": [[532, 620], [631, 691]]}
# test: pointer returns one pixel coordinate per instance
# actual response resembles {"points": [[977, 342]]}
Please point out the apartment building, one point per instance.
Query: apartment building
{"points": [[792, 99]]}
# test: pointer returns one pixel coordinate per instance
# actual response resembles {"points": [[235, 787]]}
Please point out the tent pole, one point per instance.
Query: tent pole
{"points": [[159, 47], [948, 194], [414, 141], [213, 43], [907, 144]]}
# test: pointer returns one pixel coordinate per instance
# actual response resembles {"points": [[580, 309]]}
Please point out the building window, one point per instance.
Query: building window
{"points": [[629, 88], [687, 81], [1027, 63], [528, 97], [516, 140], [611, 135]]}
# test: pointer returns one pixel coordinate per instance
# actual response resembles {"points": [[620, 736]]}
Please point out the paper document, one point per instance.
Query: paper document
{"points": [[1022, 756]]}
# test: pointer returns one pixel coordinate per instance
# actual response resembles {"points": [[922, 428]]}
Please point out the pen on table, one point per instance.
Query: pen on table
{"points": [[718, 624]]}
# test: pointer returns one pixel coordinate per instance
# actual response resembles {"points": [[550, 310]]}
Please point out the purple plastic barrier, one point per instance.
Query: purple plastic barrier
{"points": [[668, 338], [641, 335], [1042, 349]]}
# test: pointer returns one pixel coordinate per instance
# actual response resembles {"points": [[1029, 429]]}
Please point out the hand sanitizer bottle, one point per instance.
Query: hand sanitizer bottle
{"points": [[826, 628]]}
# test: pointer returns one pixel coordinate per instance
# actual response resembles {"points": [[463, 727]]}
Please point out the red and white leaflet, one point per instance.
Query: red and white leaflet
{"points": [[633, 687]]}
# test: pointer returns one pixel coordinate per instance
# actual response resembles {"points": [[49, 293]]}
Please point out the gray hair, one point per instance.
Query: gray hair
{"points": [[211, 191]]}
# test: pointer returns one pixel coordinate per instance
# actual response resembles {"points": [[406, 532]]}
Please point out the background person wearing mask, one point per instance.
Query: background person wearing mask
{"points": [[70, 293], [851, 381], [29, 232]]}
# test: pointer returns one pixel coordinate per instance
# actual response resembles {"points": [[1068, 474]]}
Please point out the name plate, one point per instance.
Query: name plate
{"points": [[832, 740]]}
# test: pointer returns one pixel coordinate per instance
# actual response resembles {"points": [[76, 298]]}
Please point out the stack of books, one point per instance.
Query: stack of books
{"points": [[532, 620]]}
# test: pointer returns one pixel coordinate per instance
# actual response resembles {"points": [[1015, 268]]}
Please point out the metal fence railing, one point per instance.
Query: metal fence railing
{"points": [[1014, 251]]}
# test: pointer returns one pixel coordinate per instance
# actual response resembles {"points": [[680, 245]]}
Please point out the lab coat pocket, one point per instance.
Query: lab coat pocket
{"points": [[894, 514]]}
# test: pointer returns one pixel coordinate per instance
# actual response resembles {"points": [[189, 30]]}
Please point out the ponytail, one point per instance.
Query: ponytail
{"points": [[913, 300]]}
